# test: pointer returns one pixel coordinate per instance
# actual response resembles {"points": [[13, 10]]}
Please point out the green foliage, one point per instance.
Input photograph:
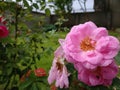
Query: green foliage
{"points": [[114, 33], [27, 47], [117, 58], [22, 49], [60, 21], [34, 83], [35, 5], [116, 84], [49, 27], [63, 6]]}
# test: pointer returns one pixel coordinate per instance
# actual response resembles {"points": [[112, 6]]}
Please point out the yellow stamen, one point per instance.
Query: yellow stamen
{"points": [[86, 44]]}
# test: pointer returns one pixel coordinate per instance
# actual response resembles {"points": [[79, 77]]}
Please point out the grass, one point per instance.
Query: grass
{"points": [[115, 33]]}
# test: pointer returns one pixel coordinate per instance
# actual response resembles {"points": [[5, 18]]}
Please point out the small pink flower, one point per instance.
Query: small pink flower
{"points": [[58, 70], [89, 44], [99, 76], [3, 32]]}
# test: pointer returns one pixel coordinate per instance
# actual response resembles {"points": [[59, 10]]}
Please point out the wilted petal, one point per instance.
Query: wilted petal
{"points": [[52, 74], [62, 80], [58, 71]]}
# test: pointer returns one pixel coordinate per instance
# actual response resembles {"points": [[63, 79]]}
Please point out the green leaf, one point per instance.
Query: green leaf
{"points": [[42, 7], [116, 84], [9, 70], [35, 5], [18, 0], [25, 3], [47, 11], [34, 87], [118, 58], [25, 84], [99, 88], [51, 6], [30, 0], [50, 0]]}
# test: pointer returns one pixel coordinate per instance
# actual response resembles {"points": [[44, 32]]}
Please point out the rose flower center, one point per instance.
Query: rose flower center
{"points": [[87, 44], [59, 66]]}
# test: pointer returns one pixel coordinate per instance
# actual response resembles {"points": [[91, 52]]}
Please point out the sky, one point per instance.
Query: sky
{"points": [[76, 6]]}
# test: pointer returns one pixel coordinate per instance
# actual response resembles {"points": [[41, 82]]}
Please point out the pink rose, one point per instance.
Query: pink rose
{"points": [[98, 76], [108, 46], [3, 32], [89, 44], [91, 50]]}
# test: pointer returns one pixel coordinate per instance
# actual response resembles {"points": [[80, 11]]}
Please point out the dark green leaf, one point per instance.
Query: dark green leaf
{"points": [[35, 5], [98, 88], [30, 0], [118, 58], [42, 7], [116, 84], [25, 84], [34, 87], [9, 70], [18, 0], [27, 4]]}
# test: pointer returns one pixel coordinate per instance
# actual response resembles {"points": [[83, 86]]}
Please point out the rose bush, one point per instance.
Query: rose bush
{"points": [[33, 79], [92, 51], [22, 50]]}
